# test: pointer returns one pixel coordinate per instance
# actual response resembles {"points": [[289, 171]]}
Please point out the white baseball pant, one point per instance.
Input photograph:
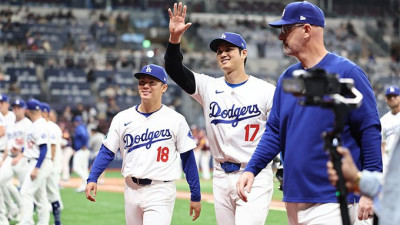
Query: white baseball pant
{"points": [[149, 205], [321, 214], [3, 217], [80, 165], [230, 209], [35, 191], [68, 152]]}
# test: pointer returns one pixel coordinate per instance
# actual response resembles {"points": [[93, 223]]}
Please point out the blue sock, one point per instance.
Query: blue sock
{"points": [[56, 212]]}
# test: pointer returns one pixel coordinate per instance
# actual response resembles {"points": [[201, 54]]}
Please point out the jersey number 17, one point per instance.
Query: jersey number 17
{"points": [[251, 129]]}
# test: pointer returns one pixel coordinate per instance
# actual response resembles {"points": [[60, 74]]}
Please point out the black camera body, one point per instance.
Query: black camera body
{"points": [[321, 88]]}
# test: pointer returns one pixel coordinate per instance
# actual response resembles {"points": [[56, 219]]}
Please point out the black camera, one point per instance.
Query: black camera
{"points": [[319, 88]]}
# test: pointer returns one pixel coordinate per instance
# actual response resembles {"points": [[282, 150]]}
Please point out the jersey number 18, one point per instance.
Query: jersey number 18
{"points": [[162, 154]]}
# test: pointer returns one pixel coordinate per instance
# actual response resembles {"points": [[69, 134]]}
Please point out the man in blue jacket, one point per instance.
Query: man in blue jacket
{"points": [[80, 163], [296, 130]]}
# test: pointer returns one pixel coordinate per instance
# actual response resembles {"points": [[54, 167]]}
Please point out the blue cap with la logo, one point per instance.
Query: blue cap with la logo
{"points": [[393, 90], [154, 71], [300, 12], [230, 37]]}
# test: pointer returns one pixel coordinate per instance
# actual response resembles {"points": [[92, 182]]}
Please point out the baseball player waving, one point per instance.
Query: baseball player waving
{"points": [[150, 137], [236, 107]]}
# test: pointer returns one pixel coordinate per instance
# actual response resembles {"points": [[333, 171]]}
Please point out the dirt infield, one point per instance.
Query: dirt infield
{"points": [[117, 185]]}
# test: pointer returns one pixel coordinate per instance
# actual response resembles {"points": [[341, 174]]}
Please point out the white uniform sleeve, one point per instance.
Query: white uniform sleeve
{"points": [[202, 82], [112, 141], [41, 135], [184, 140]]}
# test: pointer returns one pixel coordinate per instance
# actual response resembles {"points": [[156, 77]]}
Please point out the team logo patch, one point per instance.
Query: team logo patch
{"points": [[233, 115], [146, 139], [190, 135]]}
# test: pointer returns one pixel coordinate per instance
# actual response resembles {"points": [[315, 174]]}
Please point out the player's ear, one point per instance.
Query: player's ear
{"points": [[164, 88], [244, 53]]}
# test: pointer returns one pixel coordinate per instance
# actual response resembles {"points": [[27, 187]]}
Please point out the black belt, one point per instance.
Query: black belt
{"points": [[141, 182], [145, 182], [230, 167], [29, 159]]}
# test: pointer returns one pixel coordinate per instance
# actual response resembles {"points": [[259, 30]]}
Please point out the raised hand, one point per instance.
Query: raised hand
{"points": [[177, 24]]}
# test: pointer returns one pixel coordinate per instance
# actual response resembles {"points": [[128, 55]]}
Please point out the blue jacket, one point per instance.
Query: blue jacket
{"points": [[81, 137], [296, 131]]}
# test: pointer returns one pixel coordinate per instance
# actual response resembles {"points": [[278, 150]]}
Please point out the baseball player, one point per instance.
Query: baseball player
{"points": [[16, 164], [390, 122], [236, 108], [39, 167], [10, 192], [150, 136], [52, 188], [80, 163]]}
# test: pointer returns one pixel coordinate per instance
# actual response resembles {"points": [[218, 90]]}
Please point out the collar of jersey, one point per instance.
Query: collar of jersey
{"points": [[235, 85], [146, 114]]}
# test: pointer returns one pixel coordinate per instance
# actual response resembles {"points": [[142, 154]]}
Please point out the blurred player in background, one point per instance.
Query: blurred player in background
{"points": [[236, 107], [205, 155], [52, 182], [296, 130], [80, 140], [40, 166], [150, 136], [10, 192], [390, 122], [16, 164], [95, 142], [67, 151]]}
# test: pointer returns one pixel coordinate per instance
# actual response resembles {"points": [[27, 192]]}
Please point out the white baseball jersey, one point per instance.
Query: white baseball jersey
{"points": [[3, 139], [8, 122], [19, 132], [150, 146], [389, 124], [235, 117], [55, 137], [36, 136]]}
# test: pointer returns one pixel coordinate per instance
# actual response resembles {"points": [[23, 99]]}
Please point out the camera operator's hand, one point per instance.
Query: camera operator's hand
{"points": [[244, 184], [349, 170], [365, 210]]}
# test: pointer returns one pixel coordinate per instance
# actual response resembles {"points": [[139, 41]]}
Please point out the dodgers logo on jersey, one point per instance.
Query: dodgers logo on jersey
{"points": [[232, 115], [145, 139]]}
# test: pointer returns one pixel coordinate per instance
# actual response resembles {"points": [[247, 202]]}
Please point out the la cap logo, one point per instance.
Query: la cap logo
{"points": [[148, 69]]}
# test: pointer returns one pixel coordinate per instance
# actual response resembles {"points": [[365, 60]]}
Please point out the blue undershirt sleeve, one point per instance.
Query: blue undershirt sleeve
{"points": [[192, 175], [42, 155], [101, 162]]}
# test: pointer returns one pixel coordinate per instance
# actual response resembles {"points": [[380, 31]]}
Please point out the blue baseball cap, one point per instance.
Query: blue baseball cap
{"points": [[393, 90], [19, 102], [45, 107], [3, 98], [230, 37], [300, 12], [33, 104], [154, 71], [78, 119]]}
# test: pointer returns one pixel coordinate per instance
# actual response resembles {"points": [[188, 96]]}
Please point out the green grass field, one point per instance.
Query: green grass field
{"points": [[109, 207]]}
